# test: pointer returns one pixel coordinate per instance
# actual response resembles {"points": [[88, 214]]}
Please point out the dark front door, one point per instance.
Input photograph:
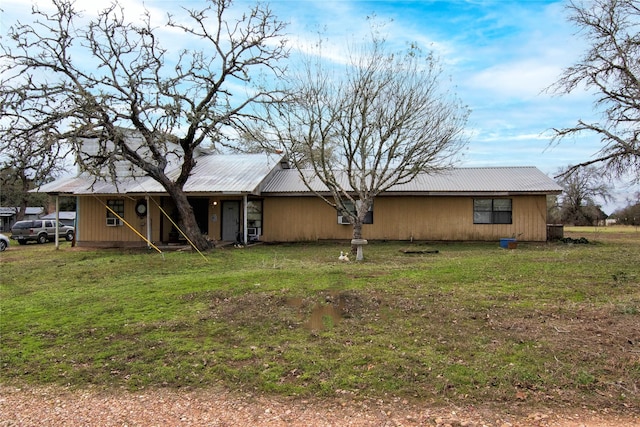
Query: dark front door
{"points": [[230, 220]]}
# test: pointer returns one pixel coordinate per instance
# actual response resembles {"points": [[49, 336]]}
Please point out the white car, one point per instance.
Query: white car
{"points": [[4, 242]]}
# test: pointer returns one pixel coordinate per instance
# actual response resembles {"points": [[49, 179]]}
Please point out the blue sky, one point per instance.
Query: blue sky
{"points": [[501, 55]]}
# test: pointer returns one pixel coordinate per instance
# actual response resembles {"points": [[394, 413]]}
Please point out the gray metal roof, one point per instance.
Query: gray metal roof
{"points": [[457, 181], [8, 211], [214, 173], [241, 173], [260, 174], [88, 184]]}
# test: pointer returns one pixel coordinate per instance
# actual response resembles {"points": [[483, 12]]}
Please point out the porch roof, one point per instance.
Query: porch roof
{"points": [[214, 173]]}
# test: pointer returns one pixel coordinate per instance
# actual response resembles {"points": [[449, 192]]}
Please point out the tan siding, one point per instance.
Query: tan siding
{"points": [[215, 219], [402, 218], [309, 219], [155, 216], [301, 219], [92, 228]]}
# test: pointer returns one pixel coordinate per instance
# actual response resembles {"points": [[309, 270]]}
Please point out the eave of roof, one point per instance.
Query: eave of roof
{"points": [[258, 174], [458, 181]]}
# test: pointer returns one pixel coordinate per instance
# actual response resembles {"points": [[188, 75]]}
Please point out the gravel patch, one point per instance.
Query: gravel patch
{"points": [[54, 406]]}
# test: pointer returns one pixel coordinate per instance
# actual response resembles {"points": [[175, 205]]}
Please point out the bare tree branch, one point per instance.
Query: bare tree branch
{"points": [[611, 66]]}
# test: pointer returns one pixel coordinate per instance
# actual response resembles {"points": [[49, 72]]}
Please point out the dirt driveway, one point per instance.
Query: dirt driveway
{"points": [[60, 407]]}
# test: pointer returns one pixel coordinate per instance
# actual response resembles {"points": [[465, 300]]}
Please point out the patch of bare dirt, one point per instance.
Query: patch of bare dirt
{"points": [[52, 406]]}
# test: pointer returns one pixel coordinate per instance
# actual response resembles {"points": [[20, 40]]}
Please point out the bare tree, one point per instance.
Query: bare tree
{"points": [[14, 191], [630, 214], [109, 77], [582, 189], [611, 67], [30, 155], [31, 152], [379, 122]]}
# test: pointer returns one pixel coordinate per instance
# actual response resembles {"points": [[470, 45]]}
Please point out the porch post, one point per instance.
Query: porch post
{"points": [[57, 221], [244, 219], [148, 220]]}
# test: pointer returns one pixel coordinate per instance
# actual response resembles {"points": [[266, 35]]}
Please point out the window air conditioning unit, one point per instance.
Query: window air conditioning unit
{"points": [[343, 220], [112, 222]]}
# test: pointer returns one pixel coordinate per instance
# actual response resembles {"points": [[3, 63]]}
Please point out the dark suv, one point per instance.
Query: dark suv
{"points": [[39, 230]]}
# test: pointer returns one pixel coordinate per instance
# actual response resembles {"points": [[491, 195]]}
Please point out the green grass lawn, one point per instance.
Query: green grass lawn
{"points": [[551, 323]]}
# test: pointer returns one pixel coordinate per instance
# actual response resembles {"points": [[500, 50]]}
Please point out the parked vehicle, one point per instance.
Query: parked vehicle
{"points": [[4, 242], [39, 230]]}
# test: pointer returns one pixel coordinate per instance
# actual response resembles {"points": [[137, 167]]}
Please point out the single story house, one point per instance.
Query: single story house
{"points": [[259, 197]]}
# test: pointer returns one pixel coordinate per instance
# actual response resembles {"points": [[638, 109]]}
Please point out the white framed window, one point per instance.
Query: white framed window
{"points": [[117, 205]]}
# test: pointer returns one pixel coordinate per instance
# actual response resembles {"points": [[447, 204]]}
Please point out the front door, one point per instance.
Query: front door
{"points": [[230, 220]]}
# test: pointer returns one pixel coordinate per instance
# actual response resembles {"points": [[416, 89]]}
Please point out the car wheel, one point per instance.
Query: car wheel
{"points": [[69, 236], [42, 238], [3, 245], [22, 242]]}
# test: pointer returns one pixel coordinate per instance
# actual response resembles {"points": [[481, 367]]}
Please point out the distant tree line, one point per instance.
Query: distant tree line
{"points": [[629, 215], [578, 203]]}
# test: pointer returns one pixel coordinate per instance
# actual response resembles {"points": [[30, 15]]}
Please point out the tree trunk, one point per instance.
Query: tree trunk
{"points": [[24, 200], [187, 219], [357, 234]]}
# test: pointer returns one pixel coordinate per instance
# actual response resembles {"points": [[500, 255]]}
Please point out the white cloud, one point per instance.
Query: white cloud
{"points": [[522, 79]]}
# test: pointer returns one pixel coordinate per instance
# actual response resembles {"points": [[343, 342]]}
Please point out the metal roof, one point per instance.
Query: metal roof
{"points": [[88, 184], [8, 211], [241, 173], [213, 173], [260, 174], [526, 179]]}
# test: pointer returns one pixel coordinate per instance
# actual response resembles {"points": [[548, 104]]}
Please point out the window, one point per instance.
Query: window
{"points": [[492, 211], [118, 207], [368, 219]]}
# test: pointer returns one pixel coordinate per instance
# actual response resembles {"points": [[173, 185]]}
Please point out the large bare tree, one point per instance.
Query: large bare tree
{"points": [[610, 67], [379, 121], [107, 78], [582, 189]]}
